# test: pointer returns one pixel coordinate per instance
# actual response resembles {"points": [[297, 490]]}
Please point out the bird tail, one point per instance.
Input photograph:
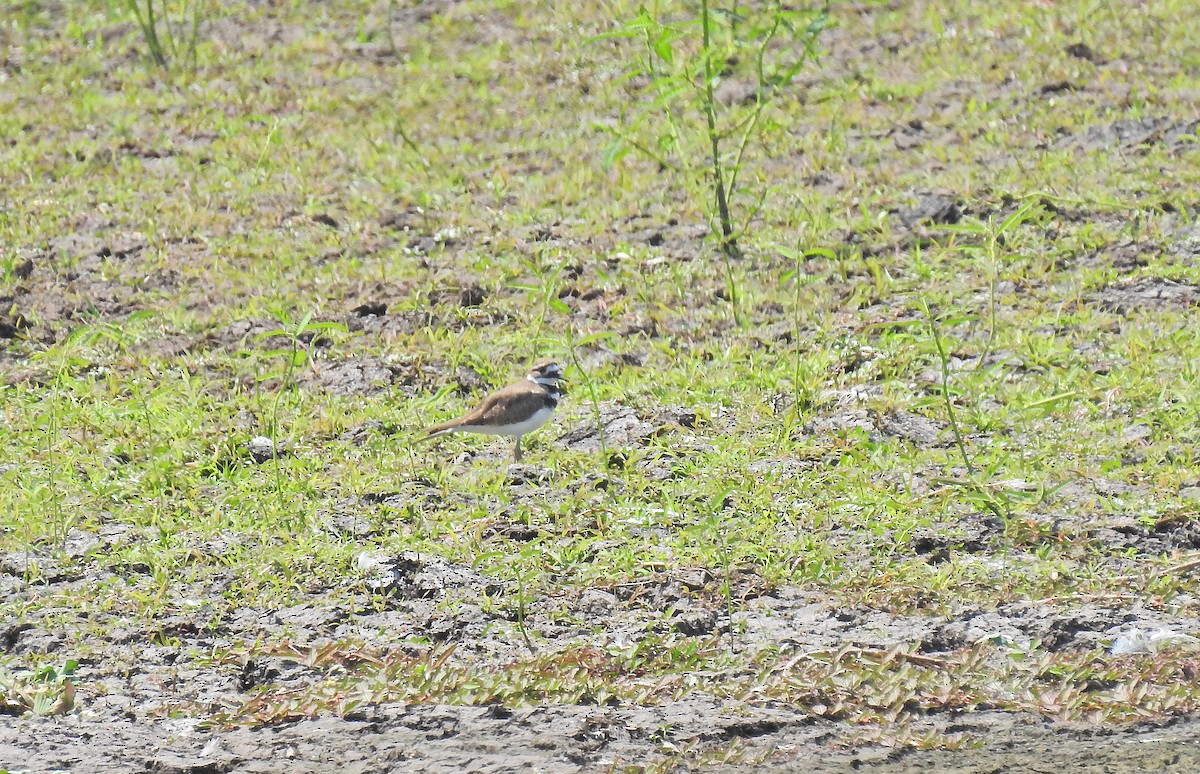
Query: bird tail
{"points": [[436, 431]]}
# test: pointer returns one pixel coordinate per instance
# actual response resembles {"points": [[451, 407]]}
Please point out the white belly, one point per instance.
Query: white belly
{"points": [[519, 428]]}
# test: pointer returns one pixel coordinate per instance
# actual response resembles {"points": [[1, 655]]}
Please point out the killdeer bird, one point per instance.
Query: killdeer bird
{"points": [[512, 411]]}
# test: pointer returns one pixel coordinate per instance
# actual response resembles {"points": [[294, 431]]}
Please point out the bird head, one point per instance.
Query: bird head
{"points": [[547, 373]]}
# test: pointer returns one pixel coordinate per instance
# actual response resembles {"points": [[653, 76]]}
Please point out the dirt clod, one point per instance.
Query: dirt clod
{"points": [[1146, 294], [694, 622], [933, 208], [912, 427], [1132, 132], [370, 309], [1085, 52], [356, 376]]}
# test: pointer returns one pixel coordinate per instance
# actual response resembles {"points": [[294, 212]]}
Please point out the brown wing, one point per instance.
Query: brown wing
{"points": [[494, 407]]}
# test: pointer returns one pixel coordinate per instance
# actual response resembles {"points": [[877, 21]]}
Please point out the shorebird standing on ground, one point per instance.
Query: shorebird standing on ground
{"points": [[512, 411]]}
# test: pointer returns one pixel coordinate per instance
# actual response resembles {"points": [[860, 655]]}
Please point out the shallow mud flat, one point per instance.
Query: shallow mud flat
{"points": [[243, 691], [444, 738]]}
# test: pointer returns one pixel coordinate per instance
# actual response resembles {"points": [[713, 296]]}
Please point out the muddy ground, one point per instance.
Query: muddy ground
{"points": [[572, 739], [145, 686], [139, 704]]}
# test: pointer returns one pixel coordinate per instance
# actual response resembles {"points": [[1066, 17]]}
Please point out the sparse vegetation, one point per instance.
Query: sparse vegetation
{"points": [[935, 461], [170, 30], [49, 690], [701, 137]]}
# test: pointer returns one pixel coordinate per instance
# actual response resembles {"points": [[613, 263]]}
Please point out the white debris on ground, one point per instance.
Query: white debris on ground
{"points": [[1138, 640], [371, 561], [261, 448]]}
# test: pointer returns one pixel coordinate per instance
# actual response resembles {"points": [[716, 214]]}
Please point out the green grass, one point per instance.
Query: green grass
{"points": [[251, 192]]}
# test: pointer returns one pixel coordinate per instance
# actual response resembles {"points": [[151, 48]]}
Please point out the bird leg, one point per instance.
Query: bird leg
{"points": [[517, 450]]}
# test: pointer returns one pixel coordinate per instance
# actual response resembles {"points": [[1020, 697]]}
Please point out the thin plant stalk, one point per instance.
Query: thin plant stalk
{"points": [[989, 500], [597, 415], [521, 611], [167, 40], [148, 23], [728, 242]]}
